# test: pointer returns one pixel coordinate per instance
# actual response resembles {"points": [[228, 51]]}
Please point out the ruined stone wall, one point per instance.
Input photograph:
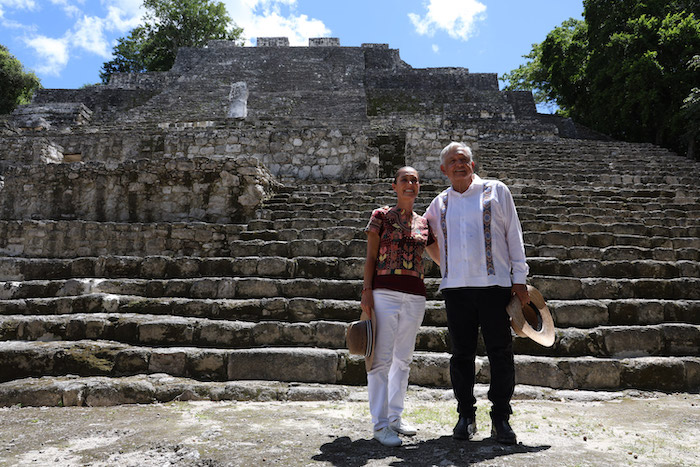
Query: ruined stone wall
{"points": [[302, 153], [107, 102], [68, 239], [29, 150], [197, 189]]}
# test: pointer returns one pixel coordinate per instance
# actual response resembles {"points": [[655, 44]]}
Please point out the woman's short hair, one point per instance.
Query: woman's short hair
{"points": [[452, 147], [396, 175]]}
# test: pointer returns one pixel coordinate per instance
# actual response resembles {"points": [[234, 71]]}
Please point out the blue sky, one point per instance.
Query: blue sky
{"points": [[65, 42]]}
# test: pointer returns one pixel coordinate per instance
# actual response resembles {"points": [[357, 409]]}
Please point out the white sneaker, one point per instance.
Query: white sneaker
{"points": [[402, 427], [387, 437]]}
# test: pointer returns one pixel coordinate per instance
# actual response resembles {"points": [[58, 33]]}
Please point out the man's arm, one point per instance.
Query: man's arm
{"points": [[516, 248]]}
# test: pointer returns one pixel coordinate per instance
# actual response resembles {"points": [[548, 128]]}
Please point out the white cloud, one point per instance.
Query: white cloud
{"points": [[52, 52], [436, 48], [88, 34], [68, 8], [122, 20], [274, 18], [456, 17], [19, 4]]}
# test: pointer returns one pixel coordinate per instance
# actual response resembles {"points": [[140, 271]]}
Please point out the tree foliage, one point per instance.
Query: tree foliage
{"points": [[623, 70], [169, 25], [16, 85]]}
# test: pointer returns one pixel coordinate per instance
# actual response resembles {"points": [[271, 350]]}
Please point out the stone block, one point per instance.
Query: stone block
{"points": [[303, 309], [288, 364], [430, 369], [208, 365], [166, 331], [305, 247], [171, 361], [680, 339], [654, 373], [542, 371], [272, 42], [324, 42], [99, 393], [595, 374], [131, 361], [310, 267], [274, 267], [225, 334], [632, 342], [257, 288], [327, 334]]}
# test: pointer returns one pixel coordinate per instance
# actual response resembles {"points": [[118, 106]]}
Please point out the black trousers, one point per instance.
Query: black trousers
{"points": [[468, 309]]}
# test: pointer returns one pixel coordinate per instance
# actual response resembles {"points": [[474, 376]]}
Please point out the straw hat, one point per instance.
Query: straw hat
{"points": [[360, 338], [532, 320]]}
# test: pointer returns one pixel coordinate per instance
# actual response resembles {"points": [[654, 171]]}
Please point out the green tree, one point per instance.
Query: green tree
{"points": [[622, 70], [691, 113], [16, 85], [169, 25], [555, 83]]}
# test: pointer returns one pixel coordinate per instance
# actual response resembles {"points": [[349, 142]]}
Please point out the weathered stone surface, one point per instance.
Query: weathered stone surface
{"points": [[578, 313], [633, 342], [154, 192], [161, 240], [430, 367], [304, 365]]}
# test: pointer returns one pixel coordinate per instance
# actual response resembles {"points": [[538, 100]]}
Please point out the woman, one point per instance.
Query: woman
{"points": [[393, 289]]}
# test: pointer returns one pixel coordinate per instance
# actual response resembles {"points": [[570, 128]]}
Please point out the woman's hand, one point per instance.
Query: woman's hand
{"points": [[367, 302], [367, 299]]}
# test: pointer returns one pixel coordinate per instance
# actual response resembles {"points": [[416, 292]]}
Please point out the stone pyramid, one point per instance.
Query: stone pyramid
{"points": [[198, 233]]}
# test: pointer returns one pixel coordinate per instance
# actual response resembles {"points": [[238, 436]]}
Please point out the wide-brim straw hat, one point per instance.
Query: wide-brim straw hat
{"points": [[361, 337], [532, 320]]}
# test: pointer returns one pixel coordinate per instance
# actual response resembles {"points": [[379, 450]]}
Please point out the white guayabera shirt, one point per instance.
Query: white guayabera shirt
{"points": [[479, 235]]}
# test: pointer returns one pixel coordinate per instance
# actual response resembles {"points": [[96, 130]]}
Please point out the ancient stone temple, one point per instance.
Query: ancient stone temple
{"points": [[198, 233]]}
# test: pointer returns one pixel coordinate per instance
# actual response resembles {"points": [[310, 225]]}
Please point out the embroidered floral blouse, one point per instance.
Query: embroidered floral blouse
{"points": [[402, 242]]}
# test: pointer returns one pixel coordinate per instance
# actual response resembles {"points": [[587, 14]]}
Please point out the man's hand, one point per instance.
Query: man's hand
{"points": [[521, 291]]}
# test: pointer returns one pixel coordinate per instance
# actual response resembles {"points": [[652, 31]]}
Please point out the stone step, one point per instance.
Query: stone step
{"points": [[555, 288], [524, 211], [22, 359], [380, 190], [530, 222], [58, 239], [149, 330], [544, 205], [612, 253], [103, 391], [691, 228], [604, 236], [556, 179], [523, 195], [327, 267], [70, 238], [581, 313]]}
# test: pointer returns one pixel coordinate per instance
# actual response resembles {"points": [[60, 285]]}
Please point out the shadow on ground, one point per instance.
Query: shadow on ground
{"points": [[347, 453]]}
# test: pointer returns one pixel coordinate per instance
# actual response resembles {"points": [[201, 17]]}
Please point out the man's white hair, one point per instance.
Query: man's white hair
{"points": [[452, 147]]}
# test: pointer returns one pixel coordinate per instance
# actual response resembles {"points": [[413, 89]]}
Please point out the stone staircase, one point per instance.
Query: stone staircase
{"points": [[612, 239]]}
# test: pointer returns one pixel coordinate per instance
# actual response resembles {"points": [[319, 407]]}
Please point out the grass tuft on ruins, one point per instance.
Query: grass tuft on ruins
{"points": [[185, 234]]}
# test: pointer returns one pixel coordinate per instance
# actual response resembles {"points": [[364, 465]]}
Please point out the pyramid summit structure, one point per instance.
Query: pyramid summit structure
{"points": [[200, 230]]}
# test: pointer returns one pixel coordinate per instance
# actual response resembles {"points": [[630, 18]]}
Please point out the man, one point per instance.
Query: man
{"points": [[482, 263]]}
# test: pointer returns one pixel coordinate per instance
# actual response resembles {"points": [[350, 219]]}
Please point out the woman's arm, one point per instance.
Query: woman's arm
{"points": [[367, 301], [434, 252]]}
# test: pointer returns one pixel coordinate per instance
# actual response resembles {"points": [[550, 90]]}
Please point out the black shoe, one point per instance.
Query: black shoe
{"points": [[501, 430], [465, 428]]}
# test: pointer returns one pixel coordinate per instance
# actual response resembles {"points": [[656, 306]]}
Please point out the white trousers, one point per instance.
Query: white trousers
{"points": [[399, 316]]}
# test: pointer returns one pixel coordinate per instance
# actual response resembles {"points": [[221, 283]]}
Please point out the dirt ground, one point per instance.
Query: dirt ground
{"points": [[554, 429]]}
